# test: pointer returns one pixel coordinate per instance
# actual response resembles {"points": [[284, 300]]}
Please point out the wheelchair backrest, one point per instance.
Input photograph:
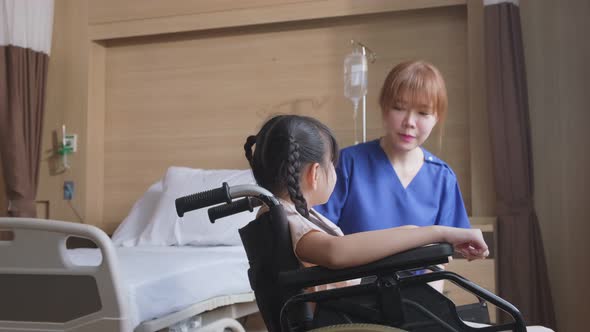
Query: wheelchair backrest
{"points": [[267, 241]]}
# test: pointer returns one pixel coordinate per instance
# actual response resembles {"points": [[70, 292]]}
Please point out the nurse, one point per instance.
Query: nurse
{"points": [[393, 181]]}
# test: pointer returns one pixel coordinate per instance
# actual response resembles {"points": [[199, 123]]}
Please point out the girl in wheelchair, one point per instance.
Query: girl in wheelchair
{"points": [[294, 158]]}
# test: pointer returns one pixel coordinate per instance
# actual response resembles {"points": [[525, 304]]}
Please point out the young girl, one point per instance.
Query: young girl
{"points": [[294, 158], [393, 181]]}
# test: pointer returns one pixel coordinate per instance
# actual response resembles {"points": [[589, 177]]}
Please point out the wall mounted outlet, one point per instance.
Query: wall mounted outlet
{"points": [[68, 190], [71, 140]]}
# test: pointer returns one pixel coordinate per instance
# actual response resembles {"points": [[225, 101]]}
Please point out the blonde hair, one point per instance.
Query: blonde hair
{"points": [[415, 82]]}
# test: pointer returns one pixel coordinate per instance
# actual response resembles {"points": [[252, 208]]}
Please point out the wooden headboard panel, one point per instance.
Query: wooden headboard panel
{"points": [[191, 98]]}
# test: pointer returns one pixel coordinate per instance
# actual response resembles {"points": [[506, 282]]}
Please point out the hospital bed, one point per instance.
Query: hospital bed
{"points": [[45, 286], [157, 272]]}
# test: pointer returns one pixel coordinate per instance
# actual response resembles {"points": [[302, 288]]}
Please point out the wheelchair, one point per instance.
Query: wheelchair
{"points": [[390, 298]]}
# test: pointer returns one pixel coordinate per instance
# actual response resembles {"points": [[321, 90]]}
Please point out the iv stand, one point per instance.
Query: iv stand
{"points": [[364, 110], [371, 57]]}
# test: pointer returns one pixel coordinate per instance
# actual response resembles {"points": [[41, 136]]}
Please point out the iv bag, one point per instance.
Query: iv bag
{"points": [[355, 77], [355, 86]]}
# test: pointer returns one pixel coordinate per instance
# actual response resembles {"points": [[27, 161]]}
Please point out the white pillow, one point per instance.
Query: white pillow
{"points": [[158, 224], [129, 232]]}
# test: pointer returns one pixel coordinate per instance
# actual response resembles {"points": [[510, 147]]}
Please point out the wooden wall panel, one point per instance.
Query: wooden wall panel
{"points": [[190, 99], [3, 199], [65, 103], [483, 193], [106, 11], [95, 139], [111, 19]]}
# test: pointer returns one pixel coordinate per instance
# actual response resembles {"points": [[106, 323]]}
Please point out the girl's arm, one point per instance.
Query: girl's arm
{"points": [[337, 252]]}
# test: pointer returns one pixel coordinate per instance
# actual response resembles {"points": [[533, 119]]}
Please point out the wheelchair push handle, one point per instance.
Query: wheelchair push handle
{"points": [[202, 199], [221, 211], [224, 194]]}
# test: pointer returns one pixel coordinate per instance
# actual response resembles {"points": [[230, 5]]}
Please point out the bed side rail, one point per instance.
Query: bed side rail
{"points": [[43, 289]]}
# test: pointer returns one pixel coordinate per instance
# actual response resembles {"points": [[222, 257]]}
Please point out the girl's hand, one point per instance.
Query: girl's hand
{"points": [[468, 242]]}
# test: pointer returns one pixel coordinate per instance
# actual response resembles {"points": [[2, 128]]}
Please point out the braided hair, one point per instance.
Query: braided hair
{"points": [[284, 146]]}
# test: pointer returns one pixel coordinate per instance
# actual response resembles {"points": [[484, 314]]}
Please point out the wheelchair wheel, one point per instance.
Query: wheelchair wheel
{"points": [[357, 328]]}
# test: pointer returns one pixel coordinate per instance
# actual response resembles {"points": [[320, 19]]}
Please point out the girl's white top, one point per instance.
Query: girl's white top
{"points": [[300, 226]]}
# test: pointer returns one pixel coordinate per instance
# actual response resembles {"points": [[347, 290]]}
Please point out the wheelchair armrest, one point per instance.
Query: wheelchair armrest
{"points": [[411, 259]]}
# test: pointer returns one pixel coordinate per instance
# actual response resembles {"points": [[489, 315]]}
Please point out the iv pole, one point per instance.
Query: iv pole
{"points": [[371, 57], [364, 103]]}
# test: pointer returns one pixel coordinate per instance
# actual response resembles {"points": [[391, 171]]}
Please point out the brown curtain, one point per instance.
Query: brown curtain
{"points": [[521, 258], [23, 73]]}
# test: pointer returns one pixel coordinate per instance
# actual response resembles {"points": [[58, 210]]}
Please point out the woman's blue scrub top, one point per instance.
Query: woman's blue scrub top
{"points": [[369, 195]]}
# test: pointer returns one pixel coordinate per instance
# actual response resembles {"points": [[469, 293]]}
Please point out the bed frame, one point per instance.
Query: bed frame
{"points": [[41, 289]]}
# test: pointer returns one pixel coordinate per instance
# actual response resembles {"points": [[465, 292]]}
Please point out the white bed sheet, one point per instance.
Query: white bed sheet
{"points": [[162, 280]]}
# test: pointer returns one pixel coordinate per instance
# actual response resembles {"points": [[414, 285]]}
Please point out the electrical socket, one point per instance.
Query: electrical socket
{"points": [[68, 190], [71, 140]]}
